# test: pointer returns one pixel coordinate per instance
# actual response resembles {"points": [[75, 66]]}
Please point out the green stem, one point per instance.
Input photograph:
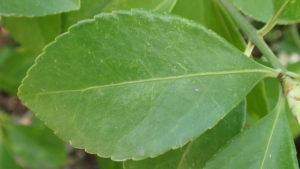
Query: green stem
{"points": [[252, 34], [249, 49]]}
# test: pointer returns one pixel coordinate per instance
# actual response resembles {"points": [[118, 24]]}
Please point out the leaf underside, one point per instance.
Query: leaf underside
{"points": [[30, 8], [132, 85]]}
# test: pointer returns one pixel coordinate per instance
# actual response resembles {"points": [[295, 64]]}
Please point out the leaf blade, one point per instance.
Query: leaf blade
{"points": [[30, 8], [147, 109]]}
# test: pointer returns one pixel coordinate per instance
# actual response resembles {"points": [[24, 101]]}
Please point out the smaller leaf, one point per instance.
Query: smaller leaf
{"points": [[7, 160], [106, 163], [257, 102], [31, 8], [37, 148], [195, 154], [261, 146], [33, 33], [14, 68], [264, 10]]}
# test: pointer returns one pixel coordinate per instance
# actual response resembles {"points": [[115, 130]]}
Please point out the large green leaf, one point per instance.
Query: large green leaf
{"points": [[267, 144], [13, 69], [33, 33], [37, 148], [136, 84], [212, 15], [90, 8], [31, 8], [195, 154], [6, 157], [264, 10]]}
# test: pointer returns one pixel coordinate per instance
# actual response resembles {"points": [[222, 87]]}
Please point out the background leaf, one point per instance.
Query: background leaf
{"points": [[90, 8], [31, 8], [212, 15], [6, 157], [155, 83], [106, 163], [261, 146], [37, 148], [33, 33], [14, 67], [196, 153], [264, 10]]}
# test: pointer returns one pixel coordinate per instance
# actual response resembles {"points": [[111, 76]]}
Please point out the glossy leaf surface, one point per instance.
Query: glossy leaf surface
{"points": [[264, 10], [155, 80], [266, 144], [31, 8], [37, 148], [195, 154], [212, 15], [33, 33]]}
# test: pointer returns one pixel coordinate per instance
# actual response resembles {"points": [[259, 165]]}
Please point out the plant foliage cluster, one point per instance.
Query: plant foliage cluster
{"points": [[151, 84]]}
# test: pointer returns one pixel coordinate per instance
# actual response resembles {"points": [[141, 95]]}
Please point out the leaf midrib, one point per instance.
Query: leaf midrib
{"points": [[267, 72]]}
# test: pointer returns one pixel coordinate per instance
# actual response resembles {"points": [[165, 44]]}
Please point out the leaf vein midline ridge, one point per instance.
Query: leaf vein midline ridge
{"points": [[266, 72]]}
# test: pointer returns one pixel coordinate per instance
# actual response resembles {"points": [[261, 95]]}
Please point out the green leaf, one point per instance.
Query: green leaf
{"points": [[37, 148], [291, 40], [212, 15], [196, 153], [267, 144], [257, 102], [156, 5], [31, 8], [140, 75], [6, 157], [106, 163], [14, 68], [33, 33], [90, 8], [264, 10]]}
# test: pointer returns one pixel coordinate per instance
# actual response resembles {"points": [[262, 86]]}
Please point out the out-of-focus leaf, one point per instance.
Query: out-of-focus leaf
{"points": [[264, 10], [212, 15], [156, 5], [195, 154], [291, 41], [144, 76], [13, 69], [33, 33], [7, 160], [257, 102], [106, 163], [37, 148], [31, 8], [267, 144], [90, 8]]}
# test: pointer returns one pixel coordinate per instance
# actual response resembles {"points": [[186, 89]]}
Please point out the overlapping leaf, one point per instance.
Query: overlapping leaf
{"points": [[212, 15], [136, 84], [267, 144], [31, 8], [287, 10], [33, 33], [195, 154]]}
